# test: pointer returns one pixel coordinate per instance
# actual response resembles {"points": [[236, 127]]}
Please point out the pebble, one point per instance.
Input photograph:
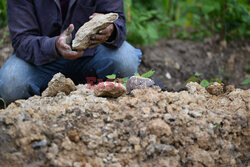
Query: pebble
{"points": [[73, 136], [39, 144]]}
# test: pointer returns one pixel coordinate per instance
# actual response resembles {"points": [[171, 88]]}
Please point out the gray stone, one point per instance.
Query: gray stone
{"points": [[136, 82], [38, 144]]}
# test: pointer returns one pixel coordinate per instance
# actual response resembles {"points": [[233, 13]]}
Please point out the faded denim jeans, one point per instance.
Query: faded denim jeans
{"points": [[21, 80]]}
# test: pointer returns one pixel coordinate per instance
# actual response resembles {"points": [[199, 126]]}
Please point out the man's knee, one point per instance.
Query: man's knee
{"points": [[124, 61], [14, 81]]}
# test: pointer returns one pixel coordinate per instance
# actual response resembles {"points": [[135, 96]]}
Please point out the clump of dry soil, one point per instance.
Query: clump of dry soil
{"points": [[143, 128]]}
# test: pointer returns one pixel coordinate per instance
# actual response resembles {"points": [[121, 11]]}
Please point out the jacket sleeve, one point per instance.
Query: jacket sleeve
{"points": [[27, 41], [114, 6]]}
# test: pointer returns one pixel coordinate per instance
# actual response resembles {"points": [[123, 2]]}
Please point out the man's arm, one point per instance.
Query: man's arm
{"points": [[114, 6], [25, 33]]}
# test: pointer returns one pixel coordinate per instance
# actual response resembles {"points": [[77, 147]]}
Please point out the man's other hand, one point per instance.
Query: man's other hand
{"points": [[103, 35], [63, 45]]}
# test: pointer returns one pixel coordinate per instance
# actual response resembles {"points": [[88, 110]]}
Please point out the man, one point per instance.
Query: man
{"points": [[39, 30]]}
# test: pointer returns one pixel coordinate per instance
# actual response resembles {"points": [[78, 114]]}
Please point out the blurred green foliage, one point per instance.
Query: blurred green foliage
{"points": [[3, 14], [203, 82], [187, 19], [149, 20]]}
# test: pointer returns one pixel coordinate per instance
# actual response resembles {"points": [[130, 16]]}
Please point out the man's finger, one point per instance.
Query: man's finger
{"points": [[64, 46], [98, 37], [80, 53], [94, 44], [106, 30], [69, 30], [93, 15]]}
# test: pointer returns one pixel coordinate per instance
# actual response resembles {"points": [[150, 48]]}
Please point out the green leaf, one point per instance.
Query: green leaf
{"points": [[192, 79], [148, 74], [113, 76], [217, 126], [125, 80], [197, 74], [204, 83], [137, 74], [247, 81]]}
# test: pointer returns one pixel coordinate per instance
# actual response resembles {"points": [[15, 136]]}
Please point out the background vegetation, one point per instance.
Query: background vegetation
{"points": [[187, 19], [3, 15], [149, 20]]}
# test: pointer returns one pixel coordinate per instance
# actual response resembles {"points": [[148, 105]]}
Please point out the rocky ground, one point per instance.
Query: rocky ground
{"points": [[141, 128]]}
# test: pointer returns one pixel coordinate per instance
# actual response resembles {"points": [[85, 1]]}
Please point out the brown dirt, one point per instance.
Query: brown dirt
{"points": [[144, 128], [181, 59]]}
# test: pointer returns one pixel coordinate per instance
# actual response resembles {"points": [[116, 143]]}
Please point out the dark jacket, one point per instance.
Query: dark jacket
{"points": [[35, 24]]}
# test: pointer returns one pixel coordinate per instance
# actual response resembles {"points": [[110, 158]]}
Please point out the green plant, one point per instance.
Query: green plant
{"points": [[144, 26], [148, 20], [203, 82], [247, 81], [3, 13], [217, 126]]}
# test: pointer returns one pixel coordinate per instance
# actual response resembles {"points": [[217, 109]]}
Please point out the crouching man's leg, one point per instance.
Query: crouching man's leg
{"points": [[123, 62], [21, 80]]}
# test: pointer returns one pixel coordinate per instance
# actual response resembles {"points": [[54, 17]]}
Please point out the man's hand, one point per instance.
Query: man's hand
{"points": [[103, 35], [63, 45]]}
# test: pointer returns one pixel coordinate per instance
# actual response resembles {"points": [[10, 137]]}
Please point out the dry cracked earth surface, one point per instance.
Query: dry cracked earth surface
{"points": [[142, 128]]}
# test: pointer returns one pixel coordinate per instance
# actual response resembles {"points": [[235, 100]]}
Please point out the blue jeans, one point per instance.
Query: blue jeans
{"points": [[21, 80]]}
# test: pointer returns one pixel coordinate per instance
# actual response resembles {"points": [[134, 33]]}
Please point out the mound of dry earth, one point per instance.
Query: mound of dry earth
{"points": [[143, 128]]}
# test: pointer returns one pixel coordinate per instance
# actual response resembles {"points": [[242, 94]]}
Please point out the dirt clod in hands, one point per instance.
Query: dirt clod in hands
{"points": [[99, 22]]}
